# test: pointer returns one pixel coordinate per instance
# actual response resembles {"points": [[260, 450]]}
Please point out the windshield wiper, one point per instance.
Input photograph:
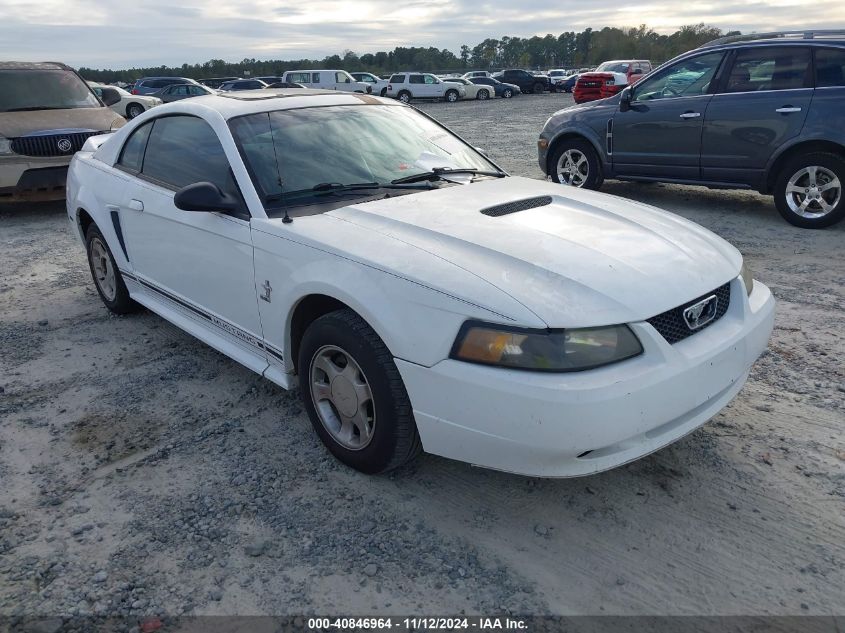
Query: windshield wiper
{"points": [[329, 188], [35, 108], [439, 172]]}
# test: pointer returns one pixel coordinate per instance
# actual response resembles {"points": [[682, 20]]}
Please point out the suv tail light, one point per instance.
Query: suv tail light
{"points": [[134, 91], [389, 87]]}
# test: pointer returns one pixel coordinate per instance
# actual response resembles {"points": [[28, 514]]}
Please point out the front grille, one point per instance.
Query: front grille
{"points": [[517, 205], [671, 324], [49, 144]]}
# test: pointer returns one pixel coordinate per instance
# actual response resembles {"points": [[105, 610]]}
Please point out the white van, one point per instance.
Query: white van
{"points": [[327, 80]]}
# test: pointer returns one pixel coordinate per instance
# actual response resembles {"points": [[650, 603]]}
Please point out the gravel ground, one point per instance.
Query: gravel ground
{"points": [[144, 473]]}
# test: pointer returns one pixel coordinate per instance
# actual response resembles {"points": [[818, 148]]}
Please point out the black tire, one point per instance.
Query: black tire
{"points": [[120, 302], [394, 440], [133, 110], [482, 95], [451, 96], [383, 92], [404, 96], [594, 177], [538, 88], [507, 93], [830, 164]]}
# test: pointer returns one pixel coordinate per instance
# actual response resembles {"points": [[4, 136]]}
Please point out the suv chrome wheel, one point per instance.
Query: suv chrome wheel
{"points": [[573, 168], [813, 192], [342, 397], [404, 97], [103, 270]]}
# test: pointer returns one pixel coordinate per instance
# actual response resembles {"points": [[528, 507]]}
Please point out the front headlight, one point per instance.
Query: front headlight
{"points": [[5, 146], [544, 350], [747, 277]]}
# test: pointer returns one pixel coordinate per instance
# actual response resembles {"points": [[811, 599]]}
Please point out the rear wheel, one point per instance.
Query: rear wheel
{"points": [[539, 88], [107, 277], [404, 96], [808, 190], [507, 93], [383, 92], [354, 394], [483, 95], [575, 163], [452, 96]]}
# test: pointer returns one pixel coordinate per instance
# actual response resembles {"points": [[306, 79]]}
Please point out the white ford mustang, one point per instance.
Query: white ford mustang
{"points": [[418, 296]]}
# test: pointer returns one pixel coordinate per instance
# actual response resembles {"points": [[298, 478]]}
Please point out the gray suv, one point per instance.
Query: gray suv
{"points": [[762, 112]]}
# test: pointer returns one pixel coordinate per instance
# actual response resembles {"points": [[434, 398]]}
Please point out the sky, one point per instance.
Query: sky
{"points": [[110, 34]]}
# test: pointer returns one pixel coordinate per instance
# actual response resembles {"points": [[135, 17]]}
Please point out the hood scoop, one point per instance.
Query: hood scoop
{"points": [[517, 205]]}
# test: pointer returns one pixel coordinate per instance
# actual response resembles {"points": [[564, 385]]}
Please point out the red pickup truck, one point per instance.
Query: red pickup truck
{"points": [[609, 78]]}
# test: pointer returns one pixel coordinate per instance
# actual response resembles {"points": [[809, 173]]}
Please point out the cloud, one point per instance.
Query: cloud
{"points": [[108, 34]]}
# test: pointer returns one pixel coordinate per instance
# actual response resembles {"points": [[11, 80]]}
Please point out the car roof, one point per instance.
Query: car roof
{"points": [[800, 38], [33, 66]]}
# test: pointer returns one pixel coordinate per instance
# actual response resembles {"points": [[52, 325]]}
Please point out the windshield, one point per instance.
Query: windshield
{"points": [[43, 90], [613, 67], [289, 152]]}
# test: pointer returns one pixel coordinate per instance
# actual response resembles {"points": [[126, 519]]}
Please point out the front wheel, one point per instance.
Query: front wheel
{"points": [[451, 96], [383, 92], [538, 88], [106, 275], [808, 190], [133, 110], [483, 95], [354, 395], [507, 94], [404, 96], [575, 163]]}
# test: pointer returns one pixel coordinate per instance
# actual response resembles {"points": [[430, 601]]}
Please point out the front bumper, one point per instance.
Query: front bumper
{"points": [[566, 425], [25, 178]]}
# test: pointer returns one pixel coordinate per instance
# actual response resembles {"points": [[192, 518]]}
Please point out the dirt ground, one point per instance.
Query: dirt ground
{"points": [[144, 473]]}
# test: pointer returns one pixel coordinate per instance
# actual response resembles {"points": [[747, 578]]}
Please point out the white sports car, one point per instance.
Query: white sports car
{"points": [[418, 296]]}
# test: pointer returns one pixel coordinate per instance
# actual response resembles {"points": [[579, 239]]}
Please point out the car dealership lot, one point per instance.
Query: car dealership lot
{"points": [[128, 448]]}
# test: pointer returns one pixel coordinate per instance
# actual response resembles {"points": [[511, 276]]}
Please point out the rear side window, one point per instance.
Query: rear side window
{"points": [[830, 67], [397, 79], [183, 150], [769, 68], [132, 156], [416, 79], [315, 78]]}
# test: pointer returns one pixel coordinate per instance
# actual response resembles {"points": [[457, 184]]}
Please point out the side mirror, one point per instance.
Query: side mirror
{"points": [[110, 96], [204, 196], [625, 99]]}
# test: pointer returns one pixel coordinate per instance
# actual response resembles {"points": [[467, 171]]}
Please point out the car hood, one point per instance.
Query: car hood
{"points": [[581, 259], [14, 124]]}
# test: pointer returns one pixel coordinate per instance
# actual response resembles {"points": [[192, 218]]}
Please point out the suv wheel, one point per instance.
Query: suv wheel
{"points": [[538, 88], [354, 395], [507, 93], [383, 92], [808, 190], [575, 163], [404, 96], [451, 96]]}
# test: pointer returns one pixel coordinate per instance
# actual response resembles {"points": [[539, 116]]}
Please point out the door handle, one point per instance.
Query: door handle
{"points": [[690, 115], [787, 109], [136, 205]]}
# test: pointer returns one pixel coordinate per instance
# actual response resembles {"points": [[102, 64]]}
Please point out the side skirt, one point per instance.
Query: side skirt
{"points": [[221, 335]]}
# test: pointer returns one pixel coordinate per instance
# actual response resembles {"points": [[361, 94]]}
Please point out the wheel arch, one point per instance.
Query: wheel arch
{"points": [[135, 103], [788, 153], [307, 310]]}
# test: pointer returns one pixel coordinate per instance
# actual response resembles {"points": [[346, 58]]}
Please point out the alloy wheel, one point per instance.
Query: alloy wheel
{"points": [[573, 168], [813, 192], [342, 397]]}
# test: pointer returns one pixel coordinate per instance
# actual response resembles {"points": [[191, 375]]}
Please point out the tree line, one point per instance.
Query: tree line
{"points": [[567, 50]]}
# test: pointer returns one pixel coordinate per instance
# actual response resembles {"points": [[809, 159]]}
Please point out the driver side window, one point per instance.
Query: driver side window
{"points": [[688, 78]]}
